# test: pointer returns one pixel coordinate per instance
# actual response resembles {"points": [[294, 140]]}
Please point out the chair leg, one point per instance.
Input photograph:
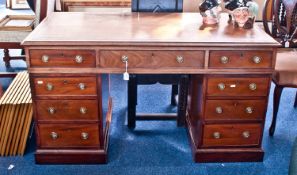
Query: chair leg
{"points": [[295, 104], [276, 98], [174, 92], [6, 58], [182, 101], [132, 100]]}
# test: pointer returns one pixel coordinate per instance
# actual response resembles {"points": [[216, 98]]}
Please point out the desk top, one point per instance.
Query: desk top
{"points": [[142, 29]]}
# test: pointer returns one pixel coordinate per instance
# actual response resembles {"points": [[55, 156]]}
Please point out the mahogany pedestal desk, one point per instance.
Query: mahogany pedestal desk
{"points": [[69, 55]]}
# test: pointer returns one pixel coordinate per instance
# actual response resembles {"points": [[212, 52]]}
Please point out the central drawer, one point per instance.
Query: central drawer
{"points": [[67, 110], [231, 135], [63, 86], [152, 59], [68, 135]]}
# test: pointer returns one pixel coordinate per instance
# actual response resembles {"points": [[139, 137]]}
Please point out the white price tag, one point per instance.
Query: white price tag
{"points": [[287, 44], [126, 76]]}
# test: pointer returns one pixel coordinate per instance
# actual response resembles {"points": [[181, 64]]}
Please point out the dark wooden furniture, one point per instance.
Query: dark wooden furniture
{"points": [[230, 74], [147, 79], [284, 29]]}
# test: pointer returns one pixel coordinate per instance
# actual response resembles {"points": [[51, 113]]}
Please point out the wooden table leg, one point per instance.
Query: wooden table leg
{"points": [[182, 101], [6, 58], [295, 104], [276, 98]]}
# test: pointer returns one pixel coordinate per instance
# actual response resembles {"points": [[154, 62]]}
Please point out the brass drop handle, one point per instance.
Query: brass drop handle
{"points": [[83, 110], [249, 110], [221, 86], [49, 86], [78, 59], [45, 58], [51, 110], [179, 59], [82, 86], [219, 110], [54, 135], [257, 59], [224, 59], [253, 86], [125, 58], [216, 135], [84, 136], [246, 134]]}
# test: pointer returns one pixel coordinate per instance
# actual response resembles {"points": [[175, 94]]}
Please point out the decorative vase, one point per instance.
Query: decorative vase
{"points": [[210, 11]]}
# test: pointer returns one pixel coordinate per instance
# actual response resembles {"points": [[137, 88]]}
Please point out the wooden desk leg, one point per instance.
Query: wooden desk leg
{"points": [[276, 98], [6, 58], [182, 101], [295, 104], [174, 92], [132, 101]]}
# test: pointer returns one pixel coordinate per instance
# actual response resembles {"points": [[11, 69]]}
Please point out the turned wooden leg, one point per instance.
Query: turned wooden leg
{"points": [[132, 100], [295, 104], [6, 58], [182, 101], [276, 98], [174, 92]]}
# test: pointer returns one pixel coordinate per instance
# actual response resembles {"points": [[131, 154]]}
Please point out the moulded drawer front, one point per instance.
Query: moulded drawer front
{"points": [[219, 86], [62, 58], [152, 59], [63, 86], [240, 59], [68, 135], [231, 135], [67, 110], [235, 109]]}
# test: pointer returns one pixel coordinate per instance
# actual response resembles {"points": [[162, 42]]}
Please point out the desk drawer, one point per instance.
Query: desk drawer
{"points": [[240, 59], [152, 59], [68, 135], [63, 58], [67, 110], [63, 86], [235, 109], [220, 86], [231, 135]]}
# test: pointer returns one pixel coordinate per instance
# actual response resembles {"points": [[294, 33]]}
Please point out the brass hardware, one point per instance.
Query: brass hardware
{"points": [[257, 59], [83, 110], [216, 135], [82, 86], [125, 58], [253, 86], [219, 110], [51, 110], [78, 59], [49, 86], [179, 59], [224, 60], [54, 135], [84, 136], [45, 58], [249, 110], [221, 86], [246, 134]]}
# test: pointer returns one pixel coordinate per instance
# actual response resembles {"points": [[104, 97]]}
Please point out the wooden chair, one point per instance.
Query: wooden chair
{"points": [[283, 29], [13, 39], [174, 80]]}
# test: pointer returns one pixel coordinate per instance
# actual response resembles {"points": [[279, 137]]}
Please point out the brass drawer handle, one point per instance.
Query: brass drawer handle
{"points": [[246, 134], [249, 110], [216, 135], [78, 59], [49, 86], [84, 136], [257, 59], [253, 86], [221, 86], [83, 110], [179, 59], [82, 86], [45, 58], [54, 135], [224, 60], [219, 110], [51, 110], [125, 58]]}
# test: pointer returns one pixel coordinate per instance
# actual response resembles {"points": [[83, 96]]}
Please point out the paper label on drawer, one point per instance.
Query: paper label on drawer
{"points": [[39, 82], [233, 85]]}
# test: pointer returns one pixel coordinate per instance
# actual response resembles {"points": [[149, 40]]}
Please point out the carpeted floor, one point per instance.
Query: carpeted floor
{"points": [[160, 147]]}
